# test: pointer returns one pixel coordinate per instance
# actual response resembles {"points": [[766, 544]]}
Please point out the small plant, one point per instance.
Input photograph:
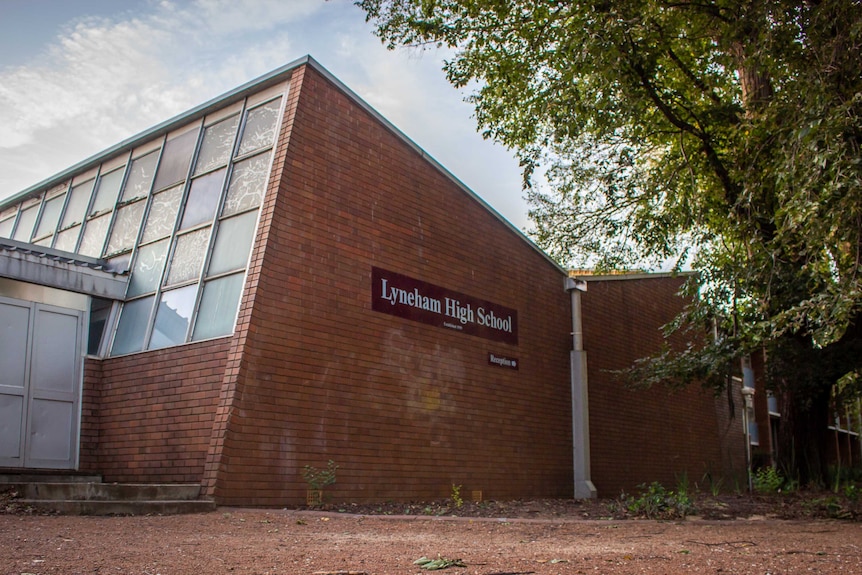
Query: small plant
{"points": [[656, 502], [714, 483], [767, 480], [316, 478], [457, 500]]}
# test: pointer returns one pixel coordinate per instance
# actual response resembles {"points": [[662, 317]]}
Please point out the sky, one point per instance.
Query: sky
{"points": [[78, 76]]}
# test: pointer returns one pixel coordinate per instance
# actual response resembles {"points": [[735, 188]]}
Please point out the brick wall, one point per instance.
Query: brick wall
{"points": [[148, 417], [88, 459], [405, 409], [640, 436]]}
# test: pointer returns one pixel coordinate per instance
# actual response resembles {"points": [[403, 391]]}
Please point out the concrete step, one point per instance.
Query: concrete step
{"points": [[71, 494], [108, 491], [85, 507], [48, 477]]}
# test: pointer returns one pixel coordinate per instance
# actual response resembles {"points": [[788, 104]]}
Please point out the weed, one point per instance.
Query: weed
{"points": [[713, 483], [767, 480], [656, 502], [319, 478], [456, 496]]}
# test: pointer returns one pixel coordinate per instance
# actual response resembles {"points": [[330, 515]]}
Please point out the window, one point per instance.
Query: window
{"points": [[260, 127], [107, 192], [126, 226], [149, 264], [94, 236], [217, 145], [73, 217], [140, 177], [26, 221], [173, 317], [132, 327], [50, 216], [100, 310], [233, 243], [218, 308], [174, 165], [163, 214], [189, 253], [203, 199], [247, 184], [7, 221]]}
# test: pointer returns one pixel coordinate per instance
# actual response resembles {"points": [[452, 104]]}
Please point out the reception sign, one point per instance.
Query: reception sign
{"points": [[413, 299]]}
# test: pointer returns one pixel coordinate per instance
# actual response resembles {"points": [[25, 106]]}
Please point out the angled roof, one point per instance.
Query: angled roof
{"points": [[272, 78]]}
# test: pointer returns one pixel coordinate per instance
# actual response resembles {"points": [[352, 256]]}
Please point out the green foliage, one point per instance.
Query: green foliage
{"points": [[655, 502], [457, 500], [715, 136], [439, 563], [319, 478], [767, 480], [714, 484]]}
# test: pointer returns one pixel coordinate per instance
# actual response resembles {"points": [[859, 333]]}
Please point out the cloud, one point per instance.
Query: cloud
{"points": [[102, 80]]}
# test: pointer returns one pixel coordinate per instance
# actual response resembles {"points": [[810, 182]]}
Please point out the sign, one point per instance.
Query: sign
{"points": [[413, 299], [502, 361]]}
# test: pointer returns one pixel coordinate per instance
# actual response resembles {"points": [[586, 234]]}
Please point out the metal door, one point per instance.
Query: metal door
{"points": [[40, 384]]}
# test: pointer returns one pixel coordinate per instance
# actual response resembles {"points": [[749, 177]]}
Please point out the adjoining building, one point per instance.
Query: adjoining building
{"points": [[280, 278]]}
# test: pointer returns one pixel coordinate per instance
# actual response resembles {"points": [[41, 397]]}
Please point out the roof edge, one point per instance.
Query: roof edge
{"points": [[262, 82], [430, 159]]}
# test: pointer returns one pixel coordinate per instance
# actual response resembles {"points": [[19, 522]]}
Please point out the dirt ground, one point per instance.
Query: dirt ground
{"points": [[541, 537]]}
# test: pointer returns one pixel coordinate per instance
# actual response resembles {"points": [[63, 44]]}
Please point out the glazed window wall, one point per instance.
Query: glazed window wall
{"points": [[178, 214]]}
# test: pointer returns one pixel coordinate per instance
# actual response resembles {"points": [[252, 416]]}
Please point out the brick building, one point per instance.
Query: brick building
{"points": [[279, 278]]}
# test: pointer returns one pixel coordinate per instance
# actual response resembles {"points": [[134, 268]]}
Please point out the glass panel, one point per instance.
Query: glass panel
{"points": [[107, 192], [94, 236], [247, 184], [26, 219], [148, 268], [50, 216], [163, 214], [203, 199], [219, 302], [67, 239], [259, 128], [173, 317], [126, 227], [174, 165], [132, 326], [100, 309], [233, 243], [188, 256], [44, 242], [79, 197], [140, 177], [6, 227], [217, 144]]}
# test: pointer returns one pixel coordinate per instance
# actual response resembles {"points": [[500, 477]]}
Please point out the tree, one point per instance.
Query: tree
{"points": [[721, 135]]}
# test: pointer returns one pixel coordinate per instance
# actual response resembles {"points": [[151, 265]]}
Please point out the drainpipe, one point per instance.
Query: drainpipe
{"points": [[584, 488]]}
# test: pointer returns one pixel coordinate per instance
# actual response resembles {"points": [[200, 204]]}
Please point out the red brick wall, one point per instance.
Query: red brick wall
{"points": [[148, 417], [405, 409], [88, 459], [640, 436]]}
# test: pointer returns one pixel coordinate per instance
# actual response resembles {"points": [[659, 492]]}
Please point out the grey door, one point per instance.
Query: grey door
{"points": [[40, 384]]}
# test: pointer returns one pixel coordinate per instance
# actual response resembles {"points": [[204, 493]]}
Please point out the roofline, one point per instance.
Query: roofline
{"points": [[260, 83], [634, 276]]}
